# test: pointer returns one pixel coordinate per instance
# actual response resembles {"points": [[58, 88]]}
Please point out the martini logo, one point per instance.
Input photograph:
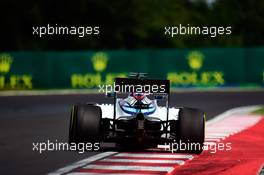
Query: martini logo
{"points": [[195, 60], [5, 63], [99, 61]]}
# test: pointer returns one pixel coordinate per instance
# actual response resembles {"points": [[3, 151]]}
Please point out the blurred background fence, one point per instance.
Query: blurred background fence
{"points": [[207, 67]]}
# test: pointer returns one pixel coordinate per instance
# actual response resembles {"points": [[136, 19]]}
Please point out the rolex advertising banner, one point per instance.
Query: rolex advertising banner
{"points": [[212, 67]]}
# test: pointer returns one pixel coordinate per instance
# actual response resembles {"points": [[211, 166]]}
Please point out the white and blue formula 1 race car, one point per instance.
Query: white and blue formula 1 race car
{"points": [[136, 120]]}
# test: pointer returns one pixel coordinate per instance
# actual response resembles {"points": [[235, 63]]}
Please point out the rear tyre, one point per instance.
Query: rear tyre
{"points": [[85, 124], [191, 128]]}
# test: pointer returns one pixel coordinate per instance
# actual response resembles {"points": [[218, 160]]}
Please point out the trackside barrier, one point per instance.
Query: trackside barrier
{"points": [[206, 67]]}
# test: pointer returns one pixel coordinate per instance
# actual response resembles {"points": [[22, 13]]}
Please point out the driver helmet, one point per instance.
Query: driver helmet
{"points": [[138, 96]]}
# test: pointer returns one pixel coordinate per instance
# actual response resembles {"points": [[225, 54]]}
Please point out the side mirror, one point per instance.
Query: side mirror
{"points": [[159, 97], [110, 94]]}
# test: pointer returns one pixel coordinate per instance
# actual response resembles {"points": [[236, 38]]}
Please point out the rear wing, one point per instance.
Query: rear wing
{"points": [[146, 86], [142, 85]]}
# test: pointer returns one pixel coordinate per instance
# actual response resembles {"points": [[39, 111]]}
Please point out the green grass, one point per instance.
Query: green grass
{"points": [[259, 111]]}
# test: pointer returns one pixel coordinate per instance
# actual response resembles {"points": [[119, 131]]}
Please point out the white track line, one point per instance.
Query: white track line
{"points": [[216, 135], [209, 143], [238, 110], [176, 156], [212, 139], [180, 162], [81, 163], [86, 173], [132, 167]]}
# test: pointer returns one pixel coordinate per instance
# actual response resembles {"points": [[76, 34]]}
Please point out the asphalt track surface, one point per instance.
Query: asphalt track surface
{"points": [[27, 119]]}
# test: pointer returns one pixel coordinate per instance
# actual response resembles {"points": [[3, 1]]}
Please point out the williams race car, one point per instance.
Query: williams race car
{"points": [[137, 120]]}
